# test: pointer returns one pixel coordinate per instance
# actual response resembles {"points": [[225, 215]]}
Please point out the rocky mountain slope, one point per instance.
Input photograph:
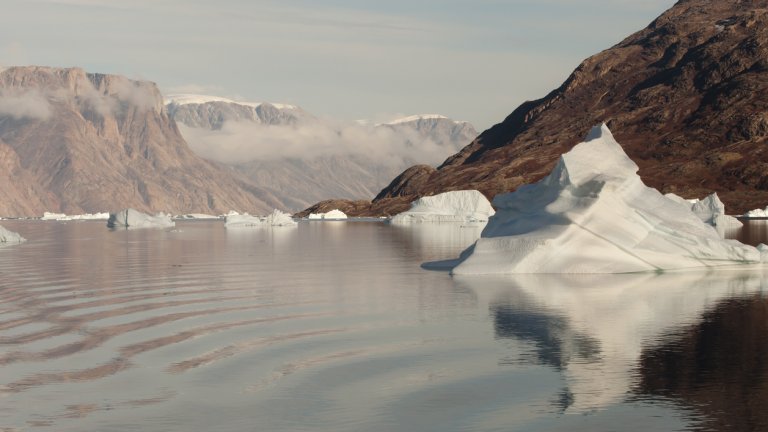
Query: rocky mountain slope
{"points": [[304, 158], [687, 97], [77, 142]]}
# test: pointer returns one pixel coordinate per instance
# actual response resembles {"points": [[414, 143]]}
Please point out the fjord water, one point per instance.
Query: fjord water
{"points": [[334, 326]]}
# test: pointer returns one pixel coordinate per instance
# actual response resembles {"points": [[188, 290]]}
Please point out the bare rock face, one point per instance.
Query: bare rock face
{"points": [[687, 97], [76, 142]]}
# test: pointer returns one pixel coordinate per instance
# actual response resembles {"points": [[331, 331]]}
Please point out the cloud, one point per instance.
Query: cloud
{"points": [[30, 104], [241, 141]]}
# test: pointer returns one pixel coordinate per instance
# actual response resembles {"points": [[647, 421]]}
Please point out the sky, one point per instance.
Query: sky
{"points": [[471, 60]]}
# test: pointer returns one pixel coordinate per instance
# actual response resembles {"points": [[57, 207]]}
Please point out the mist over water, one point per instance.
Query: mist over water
{"points": [[333, 326]]}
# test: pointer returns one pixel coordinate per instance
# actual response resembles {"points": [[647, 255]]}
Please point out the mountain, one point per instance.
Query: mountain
{"points": [[687, 97], [77, 142], [304, 158], [210, 112]]}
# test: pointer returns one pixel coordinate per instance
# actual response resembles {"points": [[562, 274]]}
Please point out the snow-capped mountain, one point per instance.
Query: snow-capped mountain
{"points": [[304, 158], [211, 112]]}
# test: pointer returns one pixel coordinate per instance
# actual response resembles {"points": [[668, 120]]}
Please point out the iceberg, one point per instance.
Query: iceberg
{"points": [[593, 214], [130, 218], [65, 217], [9, 237], [454, 206], [276, 218], [52, 216], [333, 214], [757, 213], [197, 216]]}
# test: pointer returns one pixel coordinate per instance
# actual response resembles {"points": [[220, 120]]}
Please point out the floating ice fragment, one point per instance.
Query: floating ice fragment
{"points": [[454, 206], [130, 218], [276, 218], [9, 237]]}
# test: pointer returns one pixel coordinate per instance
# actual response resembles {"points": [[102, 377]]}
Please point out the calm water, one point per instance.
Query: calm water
{"points": [[335, 327]]}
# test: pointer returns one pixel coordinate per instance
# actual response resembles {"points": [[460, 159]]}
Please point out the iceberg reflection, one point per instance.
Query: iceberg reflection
{"points": [[594, 329]]}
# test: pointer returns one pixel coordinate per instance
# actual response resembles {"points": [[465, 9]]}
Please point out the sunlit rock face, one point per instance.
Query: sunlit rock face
{"points": [[685, 95], [76, 142], [593, 214]]}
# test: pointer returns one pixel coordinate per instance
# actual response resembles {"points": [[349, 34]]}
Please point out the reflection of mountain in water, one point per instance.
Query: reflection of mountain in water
{"points": [[593, 329], [718, 366]]}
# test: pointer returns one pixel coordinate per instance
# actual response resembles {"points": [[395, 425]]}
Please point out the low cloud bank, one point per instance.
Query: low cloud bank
{"points": [[238, 142], [19, 104]]}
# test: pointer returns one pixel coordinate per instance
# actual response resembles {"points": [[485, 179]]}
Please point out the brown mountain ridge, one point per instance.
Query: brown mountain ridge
{"points": [[77, 142], [687, 97]]}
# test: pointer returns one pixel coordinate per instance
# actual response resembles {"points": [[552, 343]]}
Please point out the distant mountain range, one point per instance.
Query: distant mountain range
{"points": [[304, 158], [687, 97], [77, 142]]}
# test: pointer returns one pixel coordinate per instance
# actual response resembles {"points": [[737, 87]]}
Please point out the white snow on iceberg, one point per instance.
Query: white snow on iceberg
{"points": [[593, 214], [334, 214], [277, 218], [130, 218], [9, 237], [454, 206]]}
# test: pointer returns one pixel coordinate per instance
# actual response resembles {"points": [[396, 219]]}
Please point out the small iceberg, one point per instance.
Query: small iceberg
{"points": [[64, 217], [593, 214], [757, 213], [130, 218], [197, 216], [334, 214], [710, 210], [9, 237], [454, 206], [276, 218]]}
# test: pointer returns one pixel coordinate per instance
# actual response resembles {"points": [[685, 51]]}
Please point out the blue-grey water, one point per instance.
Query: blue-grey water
{"points": [[334, 326]]}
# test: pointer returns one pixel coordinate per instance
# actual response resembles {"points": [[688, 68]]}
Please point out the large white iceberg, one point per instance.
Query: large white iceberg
{"points": [[9, 237], [130, 218], [277, 218], [593, 214], [454, 206]]}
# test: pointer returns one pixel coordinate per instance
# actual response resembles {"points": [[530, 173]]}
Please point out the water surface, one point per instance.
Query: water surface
{"points": [[333, 326]]}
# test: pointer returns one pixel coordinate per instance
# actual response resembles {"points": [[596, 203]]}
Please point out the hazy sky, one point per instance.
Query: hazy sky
{"points": [[473, 60]]}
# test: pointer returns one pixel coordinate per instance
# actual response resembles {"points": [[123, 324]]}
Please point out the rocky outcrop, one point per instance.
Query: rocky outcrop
{"points": [[687, 96], [76, 142]]}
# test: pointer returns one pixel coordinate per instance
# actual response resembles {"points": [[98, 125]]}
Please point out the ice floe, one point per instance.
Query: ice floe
{"points": [[130, 218], [276, 218], [65, 217], [8, 237], [197, 216], [454, 206], [593, 214], [333, 214]]}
